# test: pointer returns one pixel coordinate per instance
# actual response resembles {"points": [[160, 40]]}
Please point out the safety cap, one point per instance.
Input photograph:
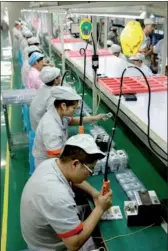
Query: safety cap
{"points": [[49, 73], [34, 57], [64, 93], [87, 143]]}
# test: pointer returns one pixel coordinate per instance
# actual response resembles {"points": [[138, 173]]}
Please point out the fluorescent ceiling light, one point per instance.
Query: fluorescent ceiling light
{"points": [[110, 15]]}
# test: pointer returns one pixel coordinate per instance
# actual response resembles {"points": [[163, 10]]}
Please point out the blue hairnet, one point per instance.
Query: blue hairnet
{"points": [[34, 57]]}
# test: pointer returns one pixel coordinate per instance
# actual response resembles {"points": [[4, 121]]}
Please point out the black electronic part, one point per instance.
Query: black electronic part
{"points": [[144, 211], [102, 142], [95, 62], [130, 97]]}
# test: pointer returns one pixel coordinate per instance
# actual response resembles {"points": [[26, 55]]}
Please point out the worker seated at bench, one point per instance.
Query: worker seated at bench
{"points": [[50, 218]]}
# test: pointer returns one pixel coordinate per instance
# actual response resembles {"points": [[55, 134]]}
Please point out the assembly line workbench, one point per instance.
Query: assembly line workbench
{"points": [[133, 114]]}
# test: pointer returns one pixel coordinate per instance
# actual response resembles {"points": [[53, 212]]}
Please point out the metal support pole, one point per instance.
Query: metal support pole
{"points": [[94, 91], [105, 31], [50, 32], [164, 48], [5, 110], [62, 41]]}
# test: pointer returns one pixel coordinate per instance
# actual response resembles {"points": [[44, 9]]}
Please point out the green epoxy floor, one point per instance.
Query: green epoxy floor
{"points": [[19, 167]]}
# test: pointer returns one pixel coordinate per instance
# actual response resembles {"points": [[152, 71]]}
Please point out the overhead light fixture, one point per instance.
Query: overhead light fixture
{"points": [[110, 15]]}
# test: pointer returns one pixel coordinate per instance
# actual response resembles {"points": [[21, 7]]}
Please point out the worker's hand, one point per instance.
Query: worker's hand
{"points": [[104, 201], [99, 116]]}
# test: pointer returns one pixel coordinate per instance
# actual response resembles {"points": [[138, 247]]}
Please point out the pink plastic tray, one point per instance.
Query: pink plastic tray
{"points": [[134, 84]]}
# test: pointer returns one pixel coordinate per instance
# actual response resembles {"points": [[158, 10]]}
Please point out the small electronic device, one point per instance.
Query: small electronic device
{"points": [[102, 142], [107, 116], [144, 210], [130, 97], [113, 213]]}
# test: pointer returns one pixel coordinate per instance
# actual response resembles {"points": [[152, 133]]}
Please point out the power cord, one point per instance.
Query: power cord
{"points": [[83, 52], [65, 73], [125, 235]]}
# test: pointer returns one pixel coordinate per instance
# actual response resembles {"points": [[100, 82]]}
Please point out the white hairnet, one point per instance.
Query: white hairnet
{"points": [[86, 142], [149, 21], [27, 33], [138, 56], [33, 48], [109, 42], [64, 93], [49, 73], [17, 22], [33, 40], [115, 48]]}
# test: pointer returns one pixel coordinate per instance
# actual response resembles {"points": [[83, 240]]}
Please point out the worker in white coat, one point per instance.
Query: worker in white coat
{"points": [[50, 76], [26, 66], [138, 60], [49, 215], [17, 36], [146, 47], [116, 51], [158, 50], [52, 130]]}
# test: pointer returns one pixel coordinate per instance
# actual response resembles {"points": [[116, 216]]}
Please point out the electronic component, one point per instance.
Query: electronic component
{"points": [[130, 97], [144, 210], [113, 213], [102, 142], [107, 116]]}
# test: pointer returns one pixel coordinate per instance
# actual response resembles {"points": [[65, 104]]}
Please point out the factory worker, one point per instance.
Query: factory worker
{"points": [[36, 63], [17, 35], [25, 67], [146, 47], [116, 51], [52, 130], [31, 41], [50, 76], [49, 215], [138, 60], [113, 35], [26, 35], [158, 49]]}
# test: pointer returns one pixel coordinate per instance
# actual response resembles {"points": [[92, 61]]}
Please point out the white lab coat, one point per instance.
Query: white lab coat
{"points": [[51, 135], [25, 53], [146, 70], [122, 57], [146, 45], [39, 105], [23, 45], [158, 49], [17, 36], [24, 71]]}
